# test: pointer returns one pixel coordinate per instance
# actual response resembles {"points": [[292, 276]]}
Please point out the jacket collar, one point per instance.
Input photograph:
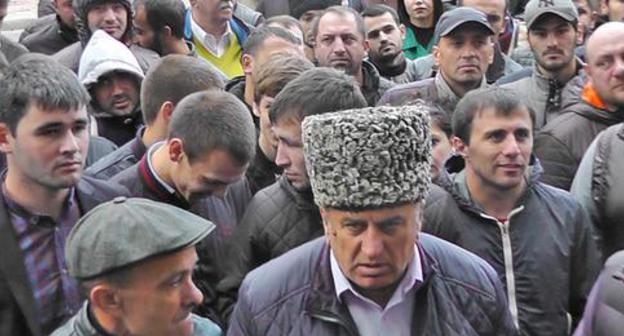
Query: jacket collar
{"points": [[454, 182], [446, 94], [544, 83], [303, 199]]}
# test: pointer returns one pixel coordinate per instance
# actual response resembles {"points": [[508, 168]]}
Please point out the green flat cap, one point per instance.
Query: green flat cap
{"points": [[128, 230]]}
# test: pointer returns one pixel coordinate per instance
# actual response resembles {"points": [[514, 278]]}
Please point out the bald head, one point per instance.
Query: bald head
{"points": [[604, 40], [605, 64]]}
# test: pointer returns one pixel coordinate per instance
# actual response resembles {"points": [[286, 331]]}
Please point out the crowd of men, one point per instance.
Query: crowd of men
{"points": [[313, 167]]}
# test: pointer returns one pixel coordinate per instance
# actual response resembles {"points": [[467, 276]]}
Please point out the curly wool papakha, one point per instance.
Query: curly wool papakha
{"points": [[368, 158]]}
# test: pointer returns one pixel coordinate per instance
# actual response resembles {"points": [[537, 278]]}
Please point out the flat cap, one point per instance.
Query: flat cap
{"points": [[125, 231], [456, 17], [368, 158], [562, 8]]}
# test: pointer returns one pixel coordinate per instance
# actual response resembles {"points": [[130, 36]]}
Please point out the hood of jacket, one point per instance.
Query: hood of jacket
{"points": [[104, 54], [82, 8]]}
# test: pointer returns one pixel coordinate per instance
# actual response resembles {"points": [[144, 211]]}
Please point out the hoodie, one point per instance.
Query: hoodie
{"points": [[104, 54]]}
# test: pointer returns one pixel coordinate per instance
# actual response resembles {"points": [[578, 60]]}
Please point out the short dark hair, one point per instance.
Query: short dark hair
{"points": [[342, 11], [161, 13], [277, 72], [4, 3], [379, 10], [172, 78], [260, 35], [504, 102], [285, 21], [440, 119], [316, 91], [214, 119], [35, 79]]}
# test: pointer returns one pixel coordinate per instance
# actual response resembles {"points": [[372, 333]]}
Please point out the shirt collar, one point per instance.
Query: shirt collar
{"points": [[202, 35], [413, 276], [30, 217], [150, 166]]}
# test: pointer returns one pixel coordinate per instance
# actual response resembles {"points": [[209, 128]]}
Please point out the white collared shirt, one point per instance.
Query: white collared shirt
{"points": [[214, 45], [396, 317], [150, 152]]}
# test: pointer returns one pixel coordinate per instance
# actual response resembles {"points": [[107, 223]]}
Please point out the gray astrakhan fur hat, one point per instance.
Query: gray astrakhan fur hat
{"points": [[368, 158]]}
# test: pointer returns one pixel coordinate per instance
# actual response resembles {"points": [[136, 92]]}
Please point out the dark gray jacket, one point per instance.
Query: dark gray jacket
{"points": [[374, 85], [11, 50], [295, 295], [47, 35], [119, 160], [604, 314], [544, 253], [432, 90], [542, 94], [278, 219], [561, 144], [70, 56]]}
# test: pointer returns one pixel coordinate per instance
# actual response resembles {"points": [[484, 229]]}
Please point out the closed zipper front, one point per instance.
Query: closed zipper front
{"points": [[508, 259]]}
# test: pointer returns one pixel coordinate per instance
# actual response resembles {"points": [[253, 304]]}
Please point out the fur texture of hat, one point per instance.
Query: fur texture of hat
{"points": [[368, 158]]}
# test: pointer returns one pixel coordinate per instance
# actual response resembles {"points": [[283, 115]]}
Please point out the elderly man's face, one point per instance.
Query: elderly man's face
{"points": [[464, 55], [373, 247], [216, 10], [117, 93], [160, 296], [339, 44], [112, 17]]}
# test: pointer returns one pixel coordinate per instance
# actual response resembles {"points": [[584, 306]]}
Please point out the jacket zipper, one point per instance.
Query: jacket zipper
{"points": [[508, 259]]}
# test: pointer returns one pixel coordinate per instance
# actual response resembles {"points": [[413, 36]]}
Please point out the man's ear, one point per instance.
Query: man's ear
{"points": [[176, 149], [106, 299], [491, 53], [193, 3], [166, 111], [326, 226], [435, 51], [166, 32], [5, 139], [459, 146], [403, 31], [366, 44], [256, 109], [247, 63]]}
